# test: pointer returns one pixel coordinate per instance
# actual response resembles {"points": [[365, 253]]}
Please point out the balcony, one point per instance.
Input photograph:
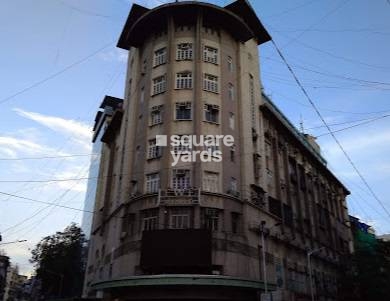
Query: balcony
{"points": [[189, 196]]}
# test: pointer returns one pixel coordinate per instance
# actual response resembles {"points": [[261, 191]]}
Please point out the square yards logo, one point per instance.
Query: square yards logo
{"points": [[208, 147]]}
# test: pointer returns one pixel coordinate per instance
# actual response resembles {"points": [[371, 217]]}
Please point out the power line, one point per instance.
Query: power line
{"points": [[339, 57], [350, 127], [47, 157], [329, 13], [330, 130], [63, 70], [346, 122], [349, 78]]}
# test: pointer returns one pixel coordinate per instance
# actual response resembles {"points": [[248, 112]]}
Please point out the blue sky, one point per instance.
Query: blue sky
{"points": [[339, 50]]}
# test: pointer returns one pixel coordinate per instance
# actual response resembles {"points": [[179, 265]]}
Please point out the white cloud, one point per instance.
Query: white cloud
{"points": [[78, 131]]}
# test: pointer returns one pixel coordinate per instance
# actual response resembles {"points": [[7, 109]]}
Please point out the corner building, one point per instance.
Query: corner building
{"points": [[192, 231]]}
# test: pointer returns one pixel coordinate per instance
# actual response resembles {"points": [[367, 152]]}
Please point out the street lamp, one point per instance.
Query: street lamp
{"points": [[262, 228], [309, 253]]}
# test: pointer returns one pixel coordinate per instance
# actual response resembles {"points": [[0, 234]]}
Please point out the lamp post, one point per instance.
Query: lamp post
{"points": [[309, 253], [262, 236]]}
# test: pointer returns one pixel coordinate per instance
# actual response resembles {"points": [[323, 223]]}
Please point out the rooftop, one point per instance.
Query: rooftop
{"points": [[238, 18]]}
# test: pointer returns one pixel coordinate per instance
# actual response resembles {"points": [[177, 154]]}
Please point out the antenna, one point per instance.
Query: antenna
{"points": [[301, 125]]}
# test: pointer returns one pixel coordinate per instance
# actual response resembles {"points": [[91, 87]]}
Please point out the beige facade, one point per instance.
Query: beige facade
{"points": [[193, 69]]}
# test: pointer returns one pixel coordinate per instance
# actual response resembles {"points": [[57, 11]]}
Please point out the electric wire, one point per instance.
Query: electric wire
{"points": [[55, 74], [330, 130]]}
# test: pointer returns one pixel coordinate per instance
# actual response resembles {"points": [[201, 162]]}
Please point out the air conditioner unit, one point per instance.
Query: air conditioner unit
{"points": [[180, 172]]}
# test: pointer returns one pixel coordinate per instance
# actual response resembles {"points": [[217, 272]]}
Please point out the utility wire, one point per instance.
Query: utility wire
{"points": [[63, 70], [330, 130], [352, 126], [346, 122], [47, 157], [43, 202]]}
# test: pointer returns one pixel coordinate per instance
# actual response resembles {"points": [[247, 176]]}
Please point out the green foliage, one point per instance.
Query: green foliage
{"points": [[368, 273], [58, 263]]}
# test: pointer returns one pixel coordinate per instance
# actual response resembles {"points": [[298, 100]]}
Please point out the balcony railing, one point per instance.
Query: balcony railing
{"points": [[188, 196]]}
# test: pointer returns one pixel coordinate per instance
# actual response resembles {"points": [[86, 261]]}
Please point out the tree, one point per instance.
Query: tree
{"points": [[58, 262]]}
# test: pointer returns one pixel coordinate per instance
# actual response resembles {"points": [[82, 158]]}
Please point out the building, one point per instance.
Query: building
{"points": [[106, 109], [14, 289], [4, 264], [209, 229]]}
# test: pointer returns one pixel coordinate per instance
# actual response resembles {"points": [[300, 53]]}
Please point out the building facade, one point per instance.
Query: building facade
{"points": [[4, 264], [209, 229]]}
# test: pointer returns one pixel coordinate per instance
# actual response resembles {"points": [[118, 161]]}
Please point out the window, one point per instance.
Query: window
{"points": [[211, 219], [275, 206], [211, 148], [211, 113], [150, 220], [231, 120], [210, 83], [156, 115], [180, 218], [268, 155], [181, 179], [160, 57], [159, 85], [231, 91], [152, 182], [230, 63], [210, 55], [183, 110], [235, 222], [154, 151], [232, 153], [184, 52], [142, 95], [233, 184], [211, 181], [252, 100], [184, 80], [183, 146]]}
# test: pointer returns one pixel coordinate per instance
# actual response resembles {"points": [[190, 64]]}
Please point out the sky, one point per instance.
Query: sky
{"points": [[58, 60]]}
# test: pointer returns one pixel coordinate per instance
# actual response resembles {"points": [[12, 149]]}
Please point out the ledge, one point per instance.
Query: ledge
{"points": [[182, 280]]}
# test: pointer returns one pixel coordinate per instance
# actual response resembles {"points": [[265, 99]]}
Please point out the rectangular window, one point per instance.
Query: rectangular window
{"points": [[150, 220], [181, 179], [184, 80], [233, 184], [210, 83], [183, 145], [160, 57], [142, 95], [211, 219], [211, 113], [231, 91], [184, 52], [154, 151], [152, 182], [235, 222], [252, 100], [156, 115], [232, 153], [180, 219], [210, 55], [159, 85], [183, 111], [231, 120], [211, 181], [230, 63]]}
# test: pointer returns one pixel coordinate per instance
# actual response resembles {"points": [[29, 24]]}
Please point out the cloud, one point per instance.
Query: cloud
{"points": [[78, 131]]}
